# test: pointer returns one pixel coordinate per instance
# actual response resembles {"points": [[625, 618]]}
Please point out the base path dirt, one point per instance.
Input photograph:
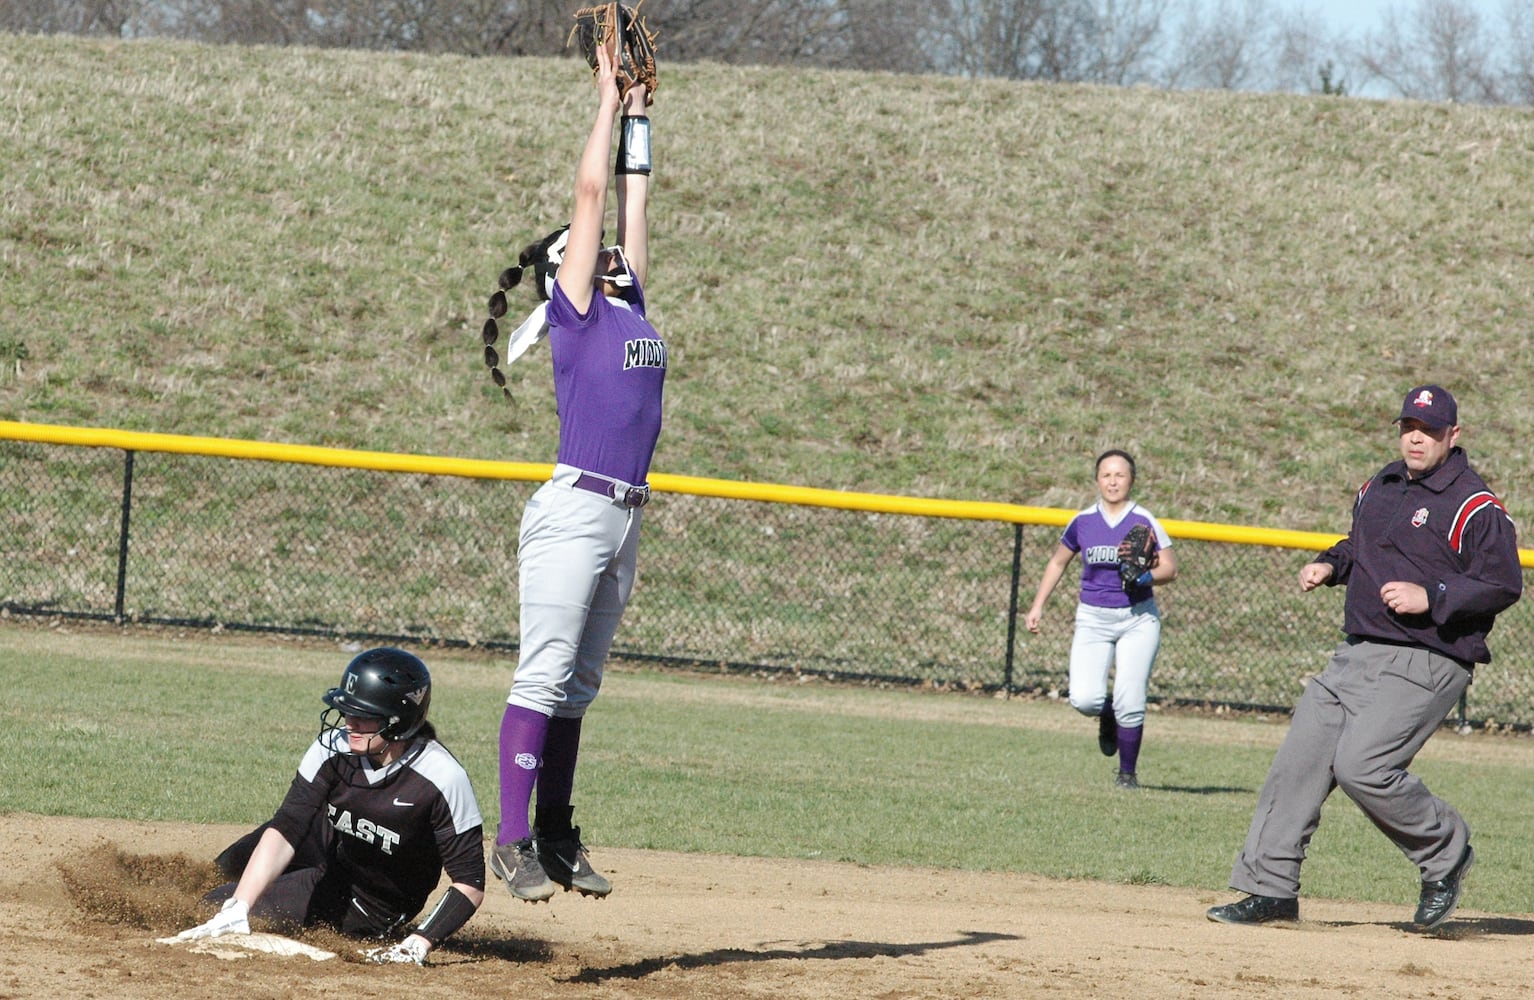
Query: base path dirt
{"points": [[82, 901]]}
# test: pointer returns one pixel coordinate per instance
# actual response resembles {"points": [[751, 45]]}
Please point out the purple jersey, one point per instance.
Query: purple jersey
{"points": [[1097, 540], [609, 374]]}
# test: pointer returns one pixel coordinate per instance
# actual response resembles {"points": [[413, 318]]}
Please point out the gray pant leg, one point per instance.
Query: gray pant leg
{"points": [[1412, 691], [571, 548], [608, 602], [1357, 727], [1298, 783]]}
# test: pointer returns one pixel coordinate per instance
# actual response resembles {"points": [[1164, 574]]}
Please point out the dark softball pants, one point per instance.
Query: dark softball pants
{"points": [[1357, 727], [313, 890]]}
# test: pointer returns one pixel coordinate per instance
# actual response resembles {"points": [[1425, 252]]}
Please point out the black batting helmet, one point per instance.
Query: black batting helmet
{"points": [[388, 684], [543, 258]]}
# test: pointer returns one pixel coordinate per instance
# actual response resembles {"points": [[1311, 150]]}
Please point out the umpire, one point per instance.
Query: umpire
{"points": [[1430, 561]]}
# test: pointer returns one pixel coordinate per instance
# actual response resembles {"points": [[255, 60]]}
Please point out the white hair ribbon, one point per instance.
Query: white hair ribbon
{"points": [[532, 330]]}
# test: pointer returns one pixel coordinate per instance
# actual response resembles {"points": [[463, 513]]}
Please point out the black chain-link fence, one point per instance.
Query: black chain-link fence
{"points": [[163, 538]]}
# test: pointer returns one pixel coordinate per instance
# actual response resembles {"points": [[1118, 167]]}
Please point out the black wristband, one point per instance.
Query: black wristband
{"points": [[452, 911], [633, 145]]}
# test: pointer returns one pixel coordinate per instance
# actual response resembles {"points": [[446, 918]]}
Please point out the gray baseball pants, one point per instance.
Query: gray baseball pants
{"points": [[1357, 727], [576, 556]]}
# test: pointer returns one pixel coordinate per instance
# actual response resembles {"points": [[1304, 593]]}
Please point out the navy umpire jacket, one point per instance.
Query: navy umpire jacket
{"points": [[1445, 531]]}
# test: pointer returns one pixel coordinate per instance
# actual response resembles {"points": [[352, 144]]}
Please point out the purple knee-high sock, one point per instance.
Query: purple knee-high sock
{"points": [[557, 779], [523, 734], [1129, 747]]}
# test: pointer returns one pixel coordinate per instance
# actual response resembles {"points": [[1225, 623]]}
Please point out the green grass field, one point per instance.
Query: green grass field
{"points": [[895, 284], [202, 729]]}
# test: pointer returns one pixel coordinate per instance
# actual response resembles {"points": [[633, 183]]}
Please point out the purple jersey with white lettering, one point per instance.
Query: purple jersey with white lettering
{"points": [[1097, 540], [609, 376]]}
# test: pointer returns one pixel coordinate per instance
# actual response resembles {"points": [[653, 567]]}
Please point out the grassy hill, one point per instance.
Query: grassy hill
{"points": [[897, 284]]}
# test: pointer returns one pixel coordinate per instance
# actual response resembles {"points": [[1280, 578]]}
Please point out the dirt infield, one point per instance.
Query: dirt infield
{"points": [[81, 902]]}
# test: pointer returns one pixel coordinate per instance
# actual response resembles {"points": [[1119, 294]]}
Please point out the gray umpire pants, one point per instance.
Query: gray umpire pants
{"points": [[1357, 727]]}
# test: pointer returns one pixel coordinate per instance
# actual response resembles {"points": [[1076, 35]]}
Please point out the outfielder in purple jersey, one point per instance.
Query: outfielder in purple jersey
{"points": [[377, 812], [579, 539], [1118, 625]]}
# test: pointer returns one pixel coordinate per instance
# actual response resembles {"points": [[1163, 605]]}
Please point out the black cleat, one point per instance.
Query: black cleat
{"points": [[1441, 897], [1256, 910], [565, 860], [1108, 732]]}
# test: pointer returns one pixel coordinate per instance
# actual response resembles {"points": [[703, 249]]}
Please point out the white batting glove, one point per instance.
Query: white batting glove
{"points": [[411, 950], [234, 918]]}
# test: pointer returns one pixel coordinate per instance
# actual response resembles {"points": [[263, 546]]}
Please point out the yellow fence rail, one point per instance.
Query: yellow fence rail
{"points": [[739, 575]]}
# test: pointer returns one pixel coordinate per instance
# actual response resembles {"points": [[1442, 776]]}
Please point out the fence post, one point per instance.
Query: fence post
{"points": [[122, 537], [1017, 563]]}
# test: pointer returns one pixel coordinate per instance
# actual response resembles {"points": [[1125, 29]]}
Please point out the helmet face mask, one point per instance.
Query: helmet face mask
{"points": [[617, 272], [545, 256], [387, 684]]}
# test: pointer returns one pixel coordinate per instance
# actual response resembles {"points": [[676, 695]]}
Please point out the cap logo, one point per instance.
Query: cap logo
{"points": [[1424, 399], [416, 697]]}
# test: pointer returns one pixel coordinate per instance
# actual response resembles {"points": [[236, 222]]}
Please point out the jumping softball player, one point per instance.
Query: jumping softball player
{"points": [[1118, 626], [579, 538]]}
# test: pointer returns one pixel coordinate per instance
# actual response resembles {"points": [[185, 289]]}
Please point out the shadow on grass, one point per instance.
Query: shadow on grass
{"points": [[1200, 789], [821, 950]]}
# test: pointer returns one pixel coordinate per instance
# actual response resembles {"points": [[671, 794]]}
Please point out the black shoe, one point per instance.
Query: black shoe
{"points": [[1126, 780], [1108, 732], [565, 861], [1256, 910], [1441, 897]]}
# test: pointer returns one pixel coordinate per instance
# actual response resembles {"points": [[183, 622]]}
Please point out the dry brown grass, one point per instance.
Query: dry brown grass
{"points": [[897, 284]]}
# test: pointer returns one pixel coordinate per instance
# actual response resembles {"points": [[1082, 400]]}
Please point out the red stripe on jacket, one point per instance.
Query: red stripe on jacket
{"points": [[1474, 503]]}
